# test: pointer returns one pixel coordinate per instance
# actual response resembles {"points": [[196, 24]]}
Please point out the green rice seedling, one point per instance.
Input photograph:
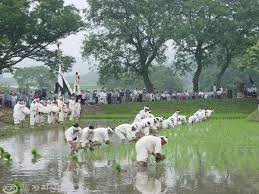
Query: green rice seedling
{"points": [[74, 158], [19, 184], [1, 151], [35, 153], [117, 167], [7, 156]]}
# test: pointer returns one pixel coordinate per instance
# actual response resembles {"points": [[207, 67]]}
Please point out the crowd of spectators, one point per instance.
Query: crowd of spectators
{"points": [[136, 95], [124, 96]]}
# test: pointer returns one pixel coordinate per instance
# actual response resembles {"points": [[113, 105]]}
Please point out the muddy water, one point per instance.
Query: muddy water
{"points": [[55, 172]]}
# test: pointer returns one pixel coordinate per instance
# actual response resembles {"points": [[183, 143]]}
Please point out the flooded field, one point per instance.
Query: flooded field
{"points": [[206, 158]]}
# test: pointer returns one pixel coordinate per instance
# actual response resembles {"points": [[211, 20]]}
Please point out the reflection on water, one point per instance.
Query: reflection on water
{"points": [[94, 172], [149, 184]]}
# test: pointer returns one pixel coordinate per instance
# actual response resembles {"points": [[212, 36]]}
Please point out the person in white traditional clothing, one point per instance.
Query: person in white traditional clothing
{"points": [[60, 110], [66, 110], [78, 109], [72, 136], [125, 131], [101, 135], [150, 145], [54, 111], [42, 111], [50, 113], [33, 112], [87, 136], [18, 114], [72, 108], [142, 114], [37, 118]]}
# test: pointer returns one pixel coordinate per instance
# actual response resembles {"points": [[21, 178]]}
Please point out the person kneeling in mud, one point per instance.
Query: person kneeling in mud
{"points": [[150, 145], [87, 137], [72, 136], [102, 135]]}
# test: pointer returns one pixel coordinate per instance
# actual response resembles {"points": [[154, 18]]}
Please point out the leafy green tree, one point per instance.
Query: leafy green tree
{"points": [[35, 77], [199, 23], [240, 31], [126, 37], [29, 27], [251, 57]]}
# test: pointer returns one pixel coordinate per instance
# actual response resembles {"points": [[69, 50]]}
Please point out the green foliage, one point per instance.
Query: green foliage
{"points": [[29, 27], [117, 167], [35, 154], [251, 57], [19, 184], [35, 77], [237, 76], [213, 32], [7, 156], [131, 36], [74, 158], [1, 151]]}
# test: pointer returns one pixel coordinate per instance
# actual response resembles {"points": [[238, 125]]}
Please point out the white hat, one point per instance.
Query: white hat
{"points": [[164, 138], [110, 130], [146, 108]]}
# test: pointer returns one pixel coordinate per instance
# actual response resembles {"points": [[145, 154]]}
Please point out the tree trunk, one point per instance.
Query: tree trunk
{"points": [[225, 66], [147, 82], [196, 77], [220, 74]]}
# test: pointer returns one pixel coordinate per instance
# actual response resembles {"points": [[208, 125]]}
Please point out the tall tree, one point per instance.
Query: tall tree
{"points": [[28, 27], [240, 31], [199, 23], [35, 77], [126, 37], [251, 57]]}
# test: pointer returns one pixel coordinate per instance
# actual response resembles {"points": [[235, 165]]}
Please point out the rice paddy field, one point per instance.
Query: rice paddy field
{"points": [[220, 155]]}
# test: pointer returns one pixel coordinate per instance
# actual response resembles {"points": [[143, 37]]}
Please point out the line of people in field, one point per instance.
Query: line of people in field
{"points": [[42, 111], [144, 129]]}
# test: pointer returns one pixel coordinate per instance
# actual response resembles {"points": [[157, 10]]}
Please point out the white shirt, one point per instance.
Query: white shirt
{"points": [[151, 143], [101, 134], [71, 135], [18, 111], [86, 135]]}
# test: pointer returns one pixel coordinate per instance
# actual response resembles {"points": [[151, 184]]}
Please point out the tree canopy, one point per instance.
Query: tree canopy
{"points": [[126, 37], [251, 57], [35, 77], [28, 27]]}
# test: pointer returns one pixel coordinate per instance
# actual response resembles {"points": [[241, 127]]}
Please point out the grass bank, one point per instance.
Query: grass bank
{"points": [[228, 109]]}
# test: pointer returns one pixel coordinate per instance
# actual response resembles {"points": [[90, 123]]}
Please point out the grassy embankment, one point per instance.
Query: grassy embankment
{"points": [[228, 109]]}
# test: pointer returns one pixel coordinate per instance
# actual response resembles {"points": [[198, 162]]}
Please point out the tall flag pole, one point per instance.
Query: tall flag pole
{"points": [[62, 86], [76, 84], [60, 71]]}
